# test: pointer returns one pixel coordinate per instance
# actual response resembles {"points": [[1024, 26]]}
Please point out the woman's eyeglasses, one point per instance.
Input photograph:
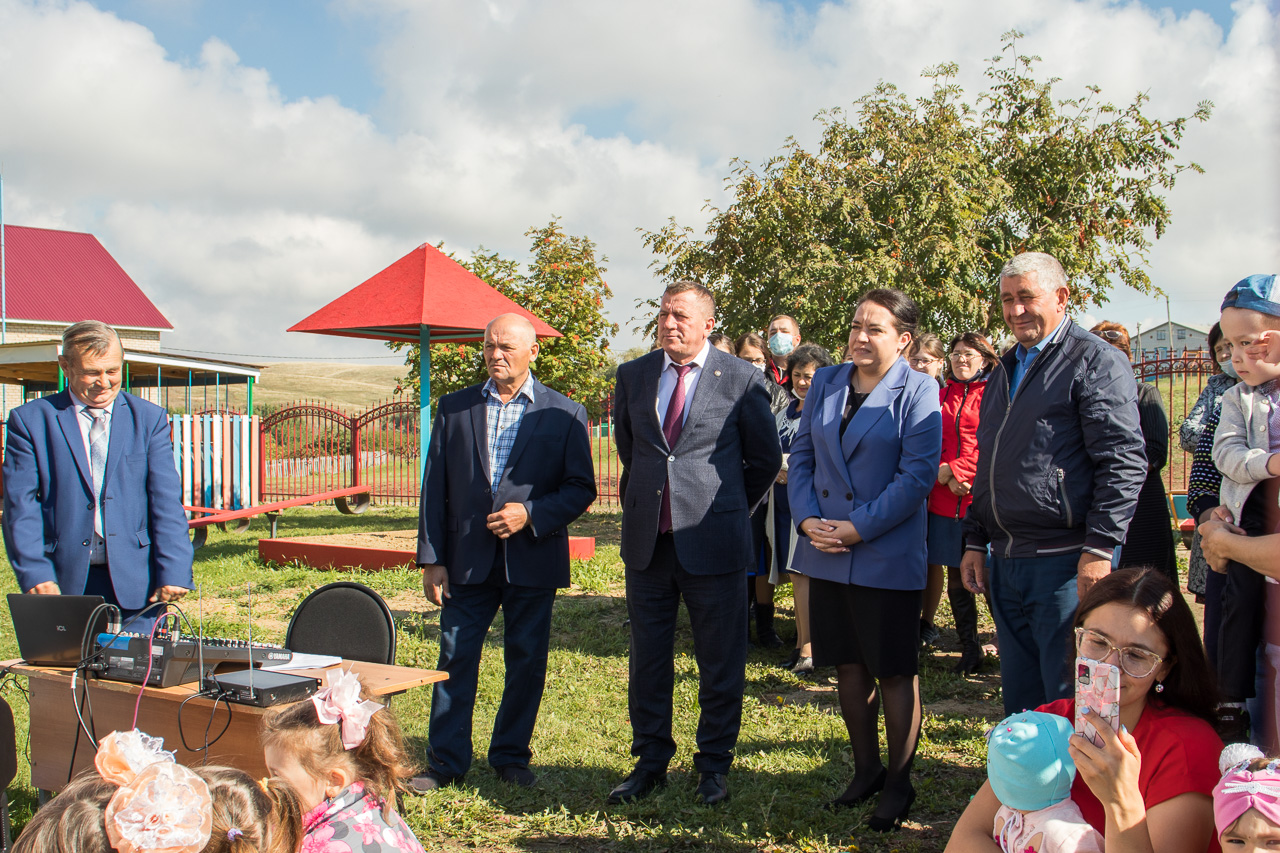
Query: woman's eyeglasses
{"points": [[1109, 334], [966, 356], [921, 361], [1137, 662]]}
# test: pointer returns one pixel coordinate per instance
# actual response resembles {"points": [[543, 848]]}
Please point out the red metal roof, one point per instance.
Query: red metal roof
{"points": [[424, 288], [65, 277]]}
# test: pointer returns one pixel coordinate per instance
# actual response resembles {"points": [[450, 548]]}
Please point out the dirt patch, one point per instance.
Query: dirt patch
{"points": [[391, 540]]}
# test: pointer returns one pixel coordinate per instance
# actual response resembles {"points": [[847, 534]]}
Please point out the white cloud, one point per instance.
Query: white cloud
{"points": [[240, 211]]}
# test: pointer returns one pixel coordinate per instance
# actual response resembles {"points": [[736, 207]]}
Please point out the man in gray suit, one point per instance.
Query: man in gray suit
{"points": [[699, 450]]}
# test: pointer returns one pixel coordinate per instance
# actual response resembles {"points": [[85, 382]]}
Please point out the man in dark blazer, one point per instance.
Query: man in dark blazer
{"points": [[699, 449], [509, 466], [92, 499]]}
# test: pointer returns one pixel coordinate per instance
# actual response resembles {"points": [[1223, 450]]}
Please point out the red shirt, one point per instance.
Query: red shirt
{"points": [[1179, 756], [960, 402]]}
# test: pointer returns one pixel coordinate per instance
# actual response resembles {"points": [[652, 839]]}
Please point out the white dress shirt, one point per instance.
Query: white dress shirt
{"points": [[84, 420], [667, 382]]}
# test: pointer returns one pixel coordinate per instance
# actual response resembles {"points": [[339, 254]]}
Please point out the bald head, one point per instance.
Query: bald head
{"points": [[510, 344], [513, 324]]}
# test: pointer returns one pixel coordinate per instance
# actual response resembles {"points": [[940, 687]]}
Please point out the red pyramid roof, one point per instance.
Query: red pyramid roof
{"points": [[67, 276], [424, 288]]}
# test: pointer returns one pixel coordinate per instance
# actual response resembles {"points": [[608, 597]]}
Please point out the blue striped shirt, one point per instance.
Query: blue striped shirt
{"points": [[503, 422]]}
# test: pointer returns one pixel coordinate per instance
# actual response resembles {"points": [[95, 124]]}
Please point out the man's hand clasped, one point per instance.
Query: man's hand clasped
{"points": [[508, 521]]}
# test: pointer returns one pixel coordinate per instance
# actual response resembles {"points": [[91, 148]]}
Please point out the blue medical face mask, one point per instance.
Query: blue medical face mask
{"points": [[1229, 368], [781, 344]]}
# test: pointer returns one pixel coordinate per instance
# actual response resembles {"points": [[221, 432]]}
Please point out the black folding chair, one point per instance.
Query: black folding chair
{"points": [[8, 769], [346, 619]]}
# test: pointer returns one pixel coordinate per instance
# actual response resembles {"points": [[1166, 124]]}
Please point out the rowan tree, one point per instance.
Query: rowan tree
{"points": [[932, 196]]}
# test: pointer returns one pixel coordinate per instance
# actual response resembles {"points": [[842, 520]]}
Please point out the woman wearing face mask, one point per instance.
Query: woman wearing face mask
{"points": [[1210, 399], [783, 336], [1203, 482]]}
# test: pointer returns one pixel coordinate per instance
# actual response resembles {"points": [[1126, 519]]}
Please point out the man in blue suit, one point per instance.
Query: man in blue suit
{"points": [[509, 466], [92, 499]]}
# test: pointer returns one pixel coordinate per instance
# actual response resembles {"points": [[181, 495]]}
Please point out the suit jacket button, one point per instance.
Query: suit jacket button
{"points": [[659, 491], [671, 459], [848, 496], [90, 506], [824, 493], [85, 543]]}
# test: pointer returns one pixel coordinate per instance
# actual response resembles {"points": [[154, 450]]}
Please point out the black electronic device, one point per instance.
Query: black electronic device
{"points": [[259, 688], [51, 628], [176, 659]]}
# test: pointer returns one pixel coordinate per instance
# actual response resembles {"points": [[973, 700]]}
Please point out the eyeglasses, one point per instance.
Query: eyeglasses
{"points": [[920, 361], [966, 356], [1109, 334], [756, 361], [1136, 661]]}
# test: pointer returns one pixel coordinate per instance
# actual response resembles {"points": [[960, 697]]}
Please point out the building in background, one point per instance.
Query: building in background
{"points": [[1166, 340], [56, 278]]}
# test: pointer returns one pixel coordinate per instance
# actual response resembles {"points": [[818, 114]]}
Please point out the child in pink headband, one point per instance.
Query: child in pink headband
{"points": [[344, 754], [1246, 801]]}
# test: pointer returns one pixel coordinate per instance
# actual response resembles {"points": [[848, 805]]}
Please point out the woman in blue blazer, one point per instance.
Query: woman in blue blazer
{"points": [[861, 467]]}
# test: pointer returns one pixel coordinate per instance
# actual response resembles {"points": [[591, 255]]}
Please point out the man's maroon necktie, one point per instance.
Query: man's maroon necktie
{"points": [[672, 424]]}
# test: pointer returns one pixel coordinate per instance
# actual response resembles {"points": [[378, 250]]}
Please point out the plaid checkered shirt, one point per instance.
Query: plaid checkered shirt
{"points": [[503, 421]]}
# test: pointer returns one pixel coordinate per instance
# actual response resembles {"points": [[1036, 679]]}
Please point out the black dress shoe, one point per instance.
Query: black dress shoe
{"points": [[712, 788], [885, 823], [432, 781], [856, 793], [791, 660], [641, 783], [517, 774]]}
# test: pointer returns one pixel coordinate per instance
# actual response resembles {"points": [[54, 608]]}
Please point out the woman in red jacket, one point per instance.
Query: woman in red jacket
{"points": [[969, 362]]}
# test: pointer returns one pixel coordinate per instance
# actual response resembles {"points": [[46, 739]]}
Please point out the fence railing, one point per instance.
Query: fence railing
{"points": [[313, 447], [1179, 379]]}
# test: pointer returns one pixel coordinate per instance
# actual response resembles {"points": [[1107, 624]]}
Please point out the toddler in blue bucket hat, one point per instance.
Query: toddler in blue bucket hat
{"points": [[1246, 449], [1031, 774]]}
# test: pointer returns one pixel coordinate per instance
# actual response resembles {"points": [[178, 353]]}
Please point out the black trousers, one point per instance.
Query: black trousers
{"points": [[1243, 612], [718, 615]]}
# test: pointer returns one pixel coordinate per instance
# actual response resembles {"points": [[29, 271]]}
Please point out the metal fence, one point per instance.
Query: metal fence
{"points": [[1179, 379], [312, 447]]}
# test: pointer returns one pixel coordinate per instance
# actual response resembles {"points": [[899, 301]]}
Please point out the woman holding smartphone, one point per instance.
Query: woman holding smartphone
{"points": [[1149, 786]]}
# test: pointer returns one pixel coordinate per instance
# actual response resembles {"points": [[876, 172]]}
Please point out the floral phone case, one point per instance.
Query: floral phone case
{"points": [[1097, 688]]}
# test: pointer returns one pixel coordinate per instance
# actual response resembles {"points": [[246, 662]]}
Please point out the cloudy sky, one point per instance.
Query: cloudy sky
{"points": [[248, 161]]}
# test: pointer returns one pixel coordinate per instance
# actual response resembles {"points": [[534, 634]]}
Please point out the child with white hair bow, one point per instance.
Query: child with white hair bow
{"points": [[345, 756]]}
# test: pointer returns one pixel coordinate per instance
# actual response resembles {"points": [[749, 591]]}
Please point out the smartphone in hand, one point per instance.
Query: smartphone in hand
{"points": [[1098, 689]]}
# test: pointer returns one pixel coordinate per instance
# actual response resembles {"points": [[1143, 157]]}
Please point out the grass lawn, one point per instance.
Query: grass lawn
{"points": [[792, 757]]}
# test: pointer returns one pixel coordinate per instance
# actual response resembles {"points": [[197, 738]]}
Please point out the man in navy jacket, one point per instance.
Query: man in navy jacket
{"points": [[509, 466], [1060, 464], [92, 499]]}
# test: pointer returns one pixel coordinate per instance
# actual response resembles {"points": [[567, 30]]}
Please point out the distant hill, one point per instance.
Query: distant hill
{"points": [[350, 386]]}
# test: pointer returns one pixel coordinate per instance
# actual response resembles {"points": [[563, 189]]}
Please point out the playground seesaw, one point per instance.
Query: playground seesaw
{"points": [[199, 527]]}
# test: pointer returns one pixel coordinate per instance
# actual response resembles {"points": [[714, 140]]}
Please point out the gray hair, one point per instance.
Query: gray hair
{"points": [[91, 337], [1049, 273]]}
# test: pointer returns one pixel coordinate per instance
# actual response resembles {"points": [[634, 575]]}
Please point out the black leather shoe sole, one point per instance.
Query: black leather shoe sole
{"points": [[640, 784]]}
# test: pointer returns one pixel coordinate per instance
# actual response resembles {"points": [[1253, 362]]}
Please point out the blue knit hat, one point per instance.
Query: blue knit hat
{"points": [[1255, 293], [1027, 761]]}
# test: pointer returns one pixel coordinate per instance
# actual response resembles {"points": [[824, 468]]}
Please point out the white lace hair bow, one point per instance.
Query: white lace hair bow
{"points": [[339, 702]]}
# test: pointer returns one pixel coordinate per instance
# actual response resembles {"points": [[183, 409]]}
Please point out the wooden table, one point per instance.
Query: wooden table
{"points": [[60, 749]]}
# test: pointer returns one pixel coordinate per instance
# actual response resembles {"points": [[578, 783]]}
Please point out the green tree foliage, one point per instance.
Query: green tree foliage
{"points": [[933, 196], [564, 286]]}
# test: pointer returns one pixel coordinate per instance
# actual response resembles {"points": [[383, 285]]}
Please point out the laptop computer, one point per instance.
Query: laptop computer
{"points": [[50, 628]]}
